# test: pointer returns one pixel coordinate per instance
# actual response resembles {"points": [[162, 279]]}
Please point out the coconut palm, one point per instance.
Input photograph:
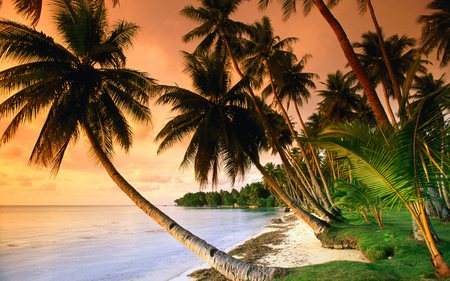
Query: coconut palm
{"points": [[84, 87], [425, 86], [436, 30], [292, 84], [397, 165], [216, 29], [214, 17], [356, 196], [340, 101], [372, 58], [290, 7], [225, 130], [32, 9], [262, 49], [365, 5]]}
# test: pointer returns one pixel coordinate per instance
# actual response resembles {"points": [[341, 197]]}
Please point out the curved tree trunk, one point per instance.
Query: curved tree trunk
{"points": [[314, 222], [388, 105], [319, 209], [300, 146], [398, 95], [441, 208], [230, 267], [355, 64], [325, 184]]}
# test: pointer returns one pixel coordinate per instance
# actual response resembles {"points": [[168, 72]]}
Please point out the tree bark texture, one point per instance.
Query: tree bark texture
{"points": [[230, 267], [355, 64]]}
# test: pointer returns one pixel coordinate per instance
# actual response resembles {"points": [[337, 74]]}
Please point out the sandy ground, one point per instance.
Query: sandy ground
{"points": [[301, 248]]}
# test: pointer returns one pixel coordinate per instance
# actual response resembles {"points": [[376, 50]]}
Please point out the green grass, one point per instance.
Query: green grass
{"points": [[409, 260]]}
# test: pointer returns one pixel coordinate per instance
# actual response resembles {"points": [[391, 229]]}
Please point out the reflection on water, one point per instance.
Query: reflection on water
{"points": [[112, 242]]}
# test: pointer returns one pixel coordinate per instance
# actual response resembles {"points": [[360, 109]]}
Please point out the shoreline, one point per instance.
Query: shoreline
{"points": [[289, 244]]}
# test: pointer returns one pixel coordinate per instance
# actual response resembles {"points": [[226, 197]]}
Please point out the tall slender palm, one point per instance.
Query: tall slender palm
{"points": [[290, 6], [436, 30], [292, 84], [365, 5], [216, 28], [83, 86], [262, 49], [212, 15], [340, 101], [32, 9], [372, 58], [225, 130]]}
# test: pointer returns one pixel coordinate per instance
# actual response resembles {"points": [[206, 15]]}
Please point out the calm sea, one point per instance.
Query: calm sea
{"points": [[112, 242]]}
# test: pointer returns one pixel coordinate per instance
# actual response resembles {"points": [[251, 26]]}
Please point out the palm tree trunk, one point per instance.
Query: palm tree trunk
{"points": [[230, 267], [420, 217], [325, 184], [319, 209], [302, 176], [355, 64], [314, 222], [300, 146], [398, 95], [388, 105]]}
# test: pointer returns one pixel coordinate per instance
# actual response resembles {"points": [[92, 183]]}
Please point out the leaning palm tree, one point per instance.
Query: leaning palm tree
{"points": [[398, 165], [292, 84], [401, 55], [436, 30], [216, 28], [84, 87], [262, 49], [365, 5], [224, 129], [290, 6]]}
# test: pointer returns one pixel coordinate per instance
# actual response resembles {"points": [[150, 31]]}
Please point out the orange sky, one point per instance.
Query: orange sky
{"points": [[157, 51]]}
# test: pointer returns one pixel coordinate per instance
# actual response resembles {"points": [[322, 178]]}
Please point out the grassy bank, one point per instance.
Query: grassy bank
{"points": [[398, 258], [392, 254]]}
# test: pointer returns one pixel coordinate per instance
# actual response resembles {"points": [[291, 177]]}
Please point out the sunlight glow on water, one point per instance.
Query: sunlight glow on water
{"points": [[112, 242]]}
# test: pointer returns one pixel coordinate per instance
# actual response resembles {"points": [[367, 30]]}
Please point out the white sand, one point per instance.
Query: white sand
{"points": [[301, 248]]}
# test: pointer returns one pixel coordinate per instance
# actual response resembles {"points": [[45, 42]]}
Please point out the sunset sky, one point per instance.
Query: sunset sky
{"points": [[157, 51]]}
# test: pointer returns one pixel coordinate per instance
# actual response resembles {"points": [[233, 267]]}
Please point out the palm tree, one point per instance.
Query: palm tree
{"points": [[291, 84], [84, 86], [262, 49], [436, 30], [217, 27], [372, 59], [32, 9], [290, 6], [340, 101], [399, 164], [225, 131], [425, 86], [363, 6], [357, 196]]}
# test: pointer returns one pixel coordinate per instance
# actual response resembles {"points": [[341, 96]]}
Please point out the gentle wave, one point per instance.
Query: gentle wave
{"points": [[112, 242]]}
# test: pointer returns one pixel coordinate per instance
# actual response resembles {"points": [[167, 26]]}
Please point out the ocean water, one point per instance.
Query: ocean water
{"points": [[113, 242]]}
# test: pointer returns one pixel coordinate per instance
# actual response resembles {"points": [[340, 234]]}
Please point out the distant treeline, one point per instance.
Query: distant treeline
{"points": [[254, 194]]}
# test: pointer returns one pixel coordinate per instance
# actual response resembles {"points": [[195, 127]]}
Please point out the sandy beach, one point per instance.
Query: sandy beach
{"points": [[301, 248], [289, 244]]}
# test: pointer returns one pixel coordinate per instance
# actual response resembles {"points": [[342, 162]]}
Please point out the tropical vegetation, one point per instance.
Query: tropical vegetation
{"points": [[348, 155]]}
